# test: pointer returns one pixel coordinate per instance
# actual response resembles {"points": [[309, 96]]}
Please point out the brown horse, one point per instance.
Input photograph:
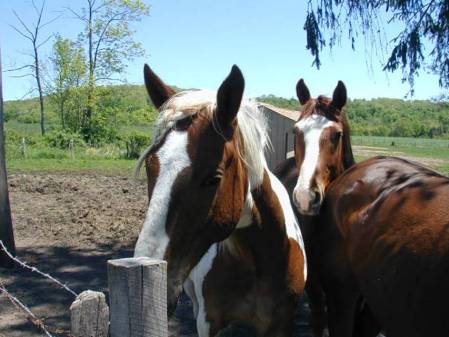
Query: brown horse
{"points": [[379, 246], [385, 235], [322, 152], [220, 218]]}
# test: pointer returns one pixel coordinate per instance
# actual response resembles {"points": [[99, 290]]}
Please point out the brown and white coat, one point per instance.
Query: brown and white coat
{"points": [[216, 213]]}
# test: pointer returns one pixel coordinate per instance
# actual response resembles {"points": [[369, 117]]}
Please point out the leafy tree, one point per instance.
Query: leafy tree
{"points": [[108, 40], [69, 67], [423, 21]]}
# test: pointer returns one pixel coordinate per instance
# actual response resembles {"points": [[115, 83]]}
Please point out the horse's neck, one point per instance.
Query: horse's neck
{"points": [[264, 242], [348, 156]]}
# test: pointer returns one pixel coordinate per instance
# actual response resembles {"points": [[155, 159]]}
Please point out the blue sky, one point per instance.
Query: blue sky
{"points": [[193, 44]]}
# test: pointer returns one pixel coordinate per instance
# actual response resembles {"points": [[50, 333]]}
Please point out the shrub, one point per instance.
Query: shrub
{"points": [[61, 139], [14, 137], [100, 131], [134, 142], [48, 153]]}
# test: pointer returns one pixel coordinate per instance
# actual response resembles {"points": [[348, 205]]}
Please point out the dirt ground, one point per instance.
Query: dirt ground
{"points": [[69, 226]]}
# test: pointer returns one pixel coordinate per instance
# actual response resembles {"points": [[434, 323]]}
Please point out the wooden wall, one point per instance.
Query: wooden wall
{"points": [[282, 138]]}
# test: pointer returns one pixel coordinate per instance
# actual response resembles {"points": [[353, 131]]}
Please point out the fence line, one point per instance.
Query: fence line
{"points": [[138, 301], [34, 269]]}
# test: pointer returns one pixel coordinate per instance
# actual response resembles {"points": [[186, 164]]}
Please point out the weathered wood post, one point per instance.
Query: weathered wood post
{"points": [[6, 231], [89, 315], [23, 148], [72, 149], [138, 297]]}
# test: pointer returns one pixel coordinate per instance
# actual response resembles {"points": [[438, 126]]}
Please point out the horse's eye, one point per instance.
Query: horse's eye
{"points": [[212, 180], [183, 124], [335, 138]]}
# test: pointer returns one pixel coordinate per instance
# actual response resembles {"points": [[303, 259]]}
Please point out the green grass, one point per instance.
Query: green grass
{"points": [[39, 157], [108, 159], [34, 129], [419, 147], [115, 167], [409, 147], [30, 129]]}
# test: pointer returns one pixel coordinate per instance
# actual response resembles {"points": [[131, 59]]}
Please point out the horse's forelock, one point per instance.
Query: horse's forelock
{"points": [[320, 106], [251, 127]]}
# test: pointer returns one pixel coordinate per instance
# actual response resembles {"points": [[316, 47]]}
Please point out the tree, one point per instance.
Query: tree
{"points": [[32, 33], [69, 67], [423, 21], [6, 230], [109, 43]]}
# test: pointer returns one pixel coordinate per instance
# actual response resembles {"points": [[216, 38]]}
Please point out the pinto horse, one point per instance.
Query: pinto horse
{"points": [[379, 243], [217, 215]]}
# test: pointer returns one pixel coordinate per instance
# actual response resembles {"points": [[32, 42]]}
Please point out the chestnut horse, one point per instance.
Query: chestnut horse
{"points": [[379, 243], [217, 215], [322, 152]]}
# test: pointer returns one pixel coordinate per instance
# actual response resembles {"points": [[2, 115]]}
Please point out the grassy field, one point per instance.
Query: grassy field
{"points": [[111, 167], [109, 160], [420, 147], [433, 153], [39, 157]]}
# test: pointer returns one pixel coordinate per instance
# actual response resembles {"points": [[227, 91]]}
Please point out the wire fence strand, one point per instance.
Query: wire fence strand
{"points": [[34, 269], [31, 317]]}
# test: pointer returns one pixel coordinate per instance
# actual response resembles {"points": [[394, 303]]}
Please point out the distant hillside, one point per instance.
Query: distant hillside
{"points": [[130, 105], [388, 117]]}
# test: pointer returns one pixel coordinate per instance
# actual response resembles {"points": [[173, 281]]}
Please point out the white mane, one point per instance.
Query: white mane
{"points": [[252, 125]]}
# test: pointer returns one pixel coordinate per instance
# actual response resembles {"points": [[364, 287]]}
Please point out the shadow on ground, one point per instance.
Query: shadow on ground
{"points": [[79, 269]]}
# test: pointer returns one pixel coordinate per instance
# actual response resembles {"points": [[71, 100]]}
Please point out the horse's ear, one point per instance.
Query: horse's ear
{"points": [[229, 97], [339, 97], [302, 92], [159, 92]]}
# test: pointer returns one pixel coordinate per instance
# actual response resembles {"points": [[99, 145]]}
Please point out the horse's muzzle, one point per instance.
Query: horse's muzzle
{"points": [[307, 202]]}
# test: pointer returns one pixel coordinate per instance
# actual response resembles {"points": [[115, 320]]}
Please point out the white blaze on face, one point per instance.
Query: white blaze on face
{"points": [[173, 158], [312, 127]]}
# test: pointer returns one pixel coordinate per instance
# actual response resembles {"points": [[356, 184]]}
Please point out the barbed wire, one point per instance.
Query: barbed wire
{"points": [[31, 317], [34, 269]]}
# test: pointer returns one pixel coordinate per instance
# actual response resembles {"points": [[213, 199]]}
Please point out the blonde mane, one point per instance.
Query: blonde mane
{"points": [[252, 127]]}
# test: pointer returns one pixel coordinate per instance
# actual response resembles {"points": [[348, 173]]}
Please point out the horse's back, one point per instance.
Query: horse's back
{"points": [[393, 217]]}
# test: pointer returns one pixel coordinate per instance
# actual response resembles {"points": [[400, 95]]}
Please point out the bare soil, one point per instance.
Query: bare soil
{"points": [[69, 225]]}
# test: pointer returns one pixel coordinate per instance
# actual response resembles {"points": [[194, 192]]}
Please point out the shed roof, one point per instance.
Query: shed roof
{"points": [[291, 114]]}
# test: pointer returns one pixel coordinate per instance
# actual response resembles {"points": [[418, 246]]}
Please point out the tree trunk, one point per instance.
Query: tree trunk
{"points": [[39, 88], [6, 230], [89, 108], [61, 108]]}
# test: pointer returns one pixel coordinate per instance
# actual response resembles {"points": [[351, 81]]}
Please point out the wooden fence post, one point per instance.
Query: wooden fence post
{"points": [[6, 229], [89, 315], [138, 297], [23, 148], [72, 148]]}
